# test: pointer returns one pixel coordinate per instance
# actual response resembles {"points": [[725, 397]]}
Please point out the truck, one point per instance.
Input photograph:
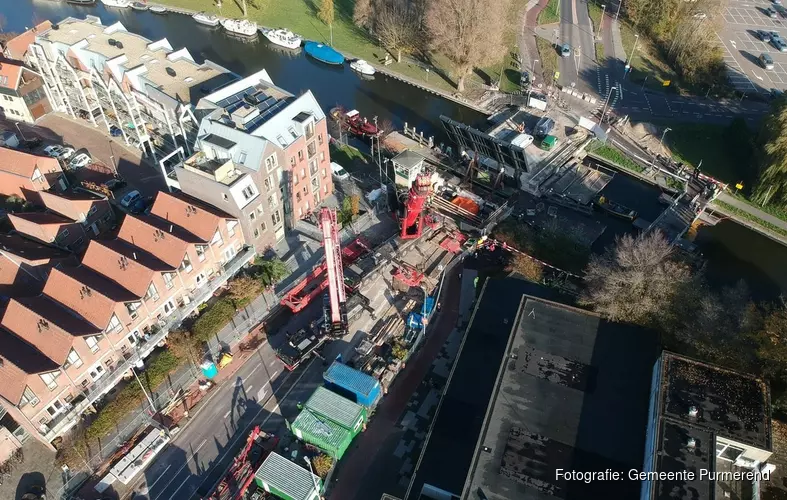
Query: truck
{"points": [[300, 345]]}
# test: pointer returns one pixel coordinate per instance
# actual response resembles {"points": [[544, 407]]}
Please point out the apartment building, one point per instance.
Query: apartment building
{"points": [[22, 94], [261, 155], [16, 48], [25, 175], [93, 323], [122, 81], [25, 264]]}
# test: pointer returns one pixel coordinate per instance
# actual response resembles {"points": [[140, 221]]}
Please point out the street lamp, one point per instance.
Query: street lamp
{"points": [[661, 146], [532, 80], [20, 131], [314, 479], [631, 56], [606, 102], [601, 21], [617, 14]]}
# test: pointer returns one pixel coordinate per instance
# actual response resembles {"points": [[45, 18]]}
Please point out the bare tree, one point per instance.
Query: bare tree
{"points": [[326, 15], [468, 32], [396, 26], [363, 13], [636, 280]]}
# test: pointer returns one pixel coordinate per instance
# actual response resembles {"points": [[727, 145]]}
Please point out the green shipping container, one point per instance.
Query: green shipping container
{"points": [[331, 438], [338, 409], [287, 480]]}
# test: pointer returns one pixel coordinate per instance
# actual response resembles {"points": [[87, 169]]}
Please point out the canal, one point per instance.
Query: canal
{"points": [[733, 251]]}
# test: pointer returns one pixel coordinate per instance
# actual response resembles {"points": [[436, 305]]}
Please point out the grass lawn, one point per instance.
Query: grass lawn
{"points": [[752, 218], [600, 52], [647, 65], [510, 64], [695, 142], [614, 155], [776, 211], [547, 56], [594, 9], [550, 14]]}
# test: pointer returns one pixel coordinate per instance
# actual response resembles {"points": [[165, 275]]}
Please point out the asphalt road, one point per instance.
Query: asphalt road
{"points": [[576, 29]]}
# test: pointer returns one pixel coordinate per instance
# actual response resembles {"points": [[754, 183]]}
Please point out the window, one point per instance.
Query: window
{"points": [[200, 280], [92, 343], [298, 196], [252, 215], [93, 209], [132, 338], [319, 139], [151, 293], [169, 306], [292, 161], [303, 173], [73, 359], [315, 185], [272, 201], [300, 212], [308, 207], [325, 189], [248, 192], [55, 408], [169, 280], [224, 195], [311, 148], [305, 189], [276, 218], [271, 162], [96, 372], [322, 156], [324, 173], [268, 182], [217, 239], [317, 197], [36, 175], [29, 397], [263, 226], [242, 158], [201, 252], [256, 233], [728, 452], [186, 264], [132, 308], [114, 325], [309, 130], [50, 379], [231, 227], [300, 155]]}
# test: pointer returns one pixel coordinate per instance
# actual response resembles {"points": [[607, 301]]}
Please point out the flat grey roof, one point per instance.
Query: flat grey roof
{"points": [[219, 141]]}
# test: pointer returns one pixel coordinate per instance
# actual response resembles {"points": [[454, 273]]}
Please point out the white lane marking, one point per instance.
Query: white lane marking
{"points": [[228, 413], [181, 470], [159, 478], [249, 388], [261, 394], [275, 373], [256, 367]]}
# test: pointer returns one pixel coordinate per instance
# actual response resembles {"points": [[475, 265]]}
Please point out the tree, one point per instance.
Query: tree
{"points": [[468, 32], [397, 27], [326, 15], [363, 13], [773, 179], [527, 267], [270, 271], [636, 280], [184, 346], [243, 288], [322, 464]]}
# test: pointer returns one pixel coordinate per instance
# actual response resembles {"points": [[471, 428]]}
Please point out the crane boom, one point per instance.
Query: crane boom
{"points": [[337, 298]]}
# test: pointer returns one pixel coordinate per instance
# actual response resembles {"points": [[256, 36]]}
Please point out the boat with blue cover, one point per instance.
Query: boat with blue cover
{"points": [[323, 53]]}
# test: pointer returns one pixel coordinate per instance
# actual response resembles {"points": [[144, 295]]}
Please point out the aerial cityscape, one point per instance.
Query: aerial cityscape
{"points": [[393, 250]]}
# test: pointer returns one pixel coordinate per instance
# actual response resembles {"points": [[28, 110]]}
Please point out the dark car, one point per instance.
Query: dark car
{"points": [[115, 184], [140, 206], [524, 79], [763, 36], [114, 131], [31, 143], [544, 127]]}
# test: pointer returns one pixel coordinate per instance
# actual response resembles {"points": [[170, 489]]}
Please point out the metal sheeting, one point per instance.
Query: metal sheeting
{"points": [[335, 407], [287, 477]]}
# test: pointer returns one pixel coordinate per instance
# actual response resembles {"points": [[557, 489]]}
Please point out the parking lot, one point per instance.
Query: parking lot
{"points": [[743, 47]]}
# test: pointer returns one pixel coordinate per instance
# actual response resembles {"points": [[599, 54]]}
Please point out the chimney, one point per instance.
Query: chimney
{"points": [[134, 254], [170, 228], [693, 412]]}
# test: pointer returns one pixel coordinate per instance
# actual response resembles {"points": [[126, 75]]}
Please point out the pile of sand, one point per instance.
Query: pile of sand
{"points": [[647, 135]]}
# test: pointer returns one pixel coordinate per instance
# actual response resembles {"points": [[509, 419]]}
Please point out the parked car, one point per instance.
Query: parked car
{"points": [[544, 127], [54, 150], [66, 153], [130, 198], [777, 2], [565, 50], [766, 61], [141, 205], [115, 184], [781, 45], [114, 131], [32, 143], [79, 161], [763, 36], [339, 172], [524, 80], [770, 12]]}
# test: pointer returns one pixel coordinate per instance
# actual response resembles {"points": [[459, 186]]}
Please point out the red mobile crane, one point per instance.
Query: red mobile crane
{"points": [[240, 474], [335, 305], [413, 219]]}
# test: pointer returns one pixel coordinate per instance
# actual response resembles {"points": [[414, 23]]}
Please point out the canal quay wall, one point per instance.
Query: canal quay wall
{"points": [[380, 69]]}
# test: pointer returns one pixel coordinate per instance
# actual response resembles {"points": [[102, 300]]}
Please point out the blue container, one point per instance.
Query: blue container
{"points": [[352, 384], [323, 53], [209, 370]]}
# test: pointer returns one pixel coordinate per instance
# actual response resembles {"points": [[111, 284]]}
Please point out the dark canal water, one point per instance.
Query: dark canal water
{"points": [[733, 251]]}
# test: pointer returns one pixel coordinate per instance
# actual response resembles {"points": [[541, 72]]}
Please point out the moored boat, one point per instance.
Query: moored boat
{"points": [[240, 27], [323, 53], [355, 123], [206, 19], [614, 208], [282, 37], [81, 2], [140, 6], [158, 9], [120, 4], [362, 67]]}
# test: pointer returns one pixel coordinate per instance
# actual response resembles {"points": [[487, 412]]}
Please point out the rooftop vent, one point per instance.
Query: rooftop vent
{"points": [[119, 45], [252, 99], [693, 412], [691, 443], [112, 42], [170, 71], [55, 26]]}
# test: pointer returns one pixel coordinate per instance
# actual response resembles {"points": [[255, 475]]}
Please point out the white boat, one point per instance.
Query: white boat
{"points": [[120, 4], [362, 67], [283, 37], [158, 9], [241, 27], [207, 19]]}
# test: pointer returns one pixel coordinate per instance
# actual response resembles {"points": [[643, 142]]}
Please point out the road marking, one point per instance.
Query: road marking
{"points": [[181, 470], [159, 478], [228, 413], [246, 430], [249, 388], [275, 373], [256, 367], [261, 394]]}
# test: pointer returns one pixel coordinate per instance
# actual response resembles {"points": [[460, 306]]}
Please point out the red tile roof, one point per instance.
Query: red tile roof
{"points": [[168, 242], [10, 72], [20, 359], [40, 225], [84, 300], [17, 46], [24, 164], [116, 261], [189, 213]]}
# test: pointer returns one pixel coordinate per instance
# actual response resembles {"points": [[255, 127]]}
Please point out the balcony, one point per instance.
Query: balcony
{"points": [[145, 346]]}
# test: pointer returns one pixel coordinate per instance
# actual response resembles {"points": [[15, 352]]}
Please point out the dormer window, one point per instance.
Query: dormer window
{"points": [[186, 264], [114, 325]]}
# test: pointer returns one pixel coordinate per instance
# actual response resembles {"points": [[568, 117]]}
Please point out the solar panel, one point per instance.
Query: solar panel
{"points": [[233, 107]]}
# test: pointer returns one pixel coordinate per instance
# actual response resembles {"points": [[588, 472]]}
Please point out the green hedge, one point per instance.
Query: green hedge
{"points": [[213, 319], [158, 367]]}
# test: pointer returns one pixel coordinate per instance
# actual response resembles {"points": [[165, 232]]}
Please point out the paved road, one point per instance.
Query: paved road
{"points": [[576, 29]]}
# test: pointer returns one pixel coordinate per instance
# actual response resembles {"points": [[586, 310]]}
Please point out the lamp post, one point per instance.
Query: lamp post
{"points": [[631, 56], [661, 146], [20, 131], [314, 479], [532, 80], [601, 22], [617, 14], [606, 102]]}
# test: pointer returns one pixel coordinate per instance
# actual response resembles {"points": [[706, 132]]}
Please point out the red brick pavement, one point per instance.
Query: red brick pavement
{"points": [[357, 462]]}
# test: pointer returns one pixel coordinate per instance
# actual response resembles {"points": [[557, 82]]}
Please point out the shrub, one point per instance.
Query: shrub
{"points": [[213, 319], [322, 464]]}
